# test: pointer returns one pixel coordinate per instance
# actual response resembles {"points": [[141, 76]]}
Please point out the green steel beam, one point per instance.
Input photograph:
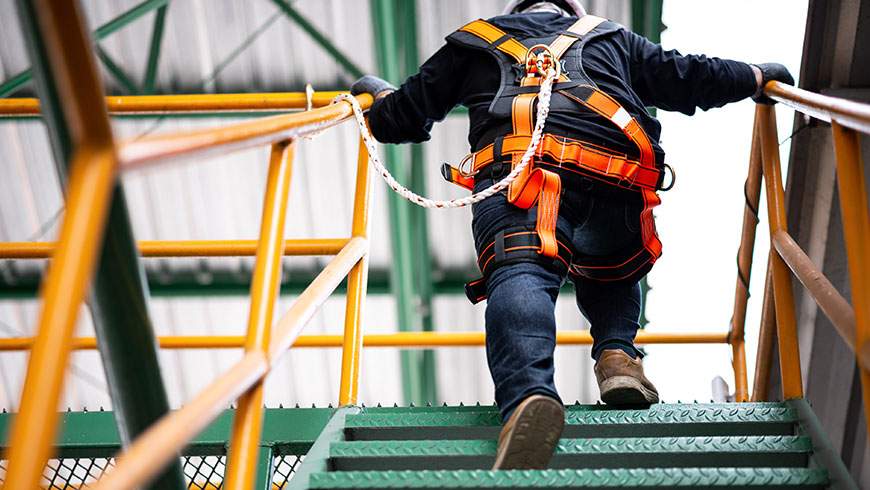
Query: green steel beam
{"points": [[265, 468], [94, 434], [321, 39], [646, 20], [231, 283], [117, 72], [228, 284], [10, 86], [388, 46], [127, 343], [407, 13], [154, 50]]}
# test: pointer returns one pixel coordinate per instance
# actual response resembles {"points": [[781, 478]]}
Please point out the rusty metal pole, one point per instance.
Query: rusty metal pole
{"points": [[766, 333], [752, 192], [856, 230]]}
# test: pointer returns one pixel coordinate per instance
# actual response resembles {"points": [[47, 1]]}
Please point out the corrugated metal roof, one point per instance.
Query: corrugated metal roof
{"points": [[221, 198]]}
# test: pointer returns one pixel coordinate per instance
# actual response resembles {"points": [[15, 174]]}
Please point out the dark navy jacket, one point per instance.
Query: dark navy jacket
{"points": [[628, 67]]}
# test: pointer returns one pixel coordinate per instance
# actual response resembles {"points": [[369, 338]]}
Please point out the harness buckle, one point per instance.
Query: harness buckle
{"points": [[540, 60]]}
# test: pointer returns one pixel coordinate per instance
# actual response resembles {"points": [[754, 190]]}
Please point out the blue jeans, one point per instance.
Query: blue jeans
{"points": [[520, 319]]}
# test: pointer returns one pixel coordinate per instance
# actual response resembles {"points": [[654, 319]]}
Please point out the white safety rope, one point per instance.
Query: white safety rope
{"points": [[543, 110]]}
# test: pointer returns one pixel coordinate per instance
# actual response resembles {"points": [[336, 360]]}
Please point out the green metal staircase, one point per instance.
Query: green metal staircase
{"points": [[746, 445]]}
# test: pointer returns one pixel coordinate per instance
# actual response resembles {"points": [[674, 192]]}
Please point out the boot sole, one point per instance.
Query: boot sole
{"points": [[626, 391], [534, 437]]}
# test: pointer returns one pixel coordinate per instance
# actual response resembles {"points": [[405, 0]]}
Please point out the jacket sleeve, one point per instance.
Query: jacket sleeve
{"points": [[407, 115], [670, 81]]}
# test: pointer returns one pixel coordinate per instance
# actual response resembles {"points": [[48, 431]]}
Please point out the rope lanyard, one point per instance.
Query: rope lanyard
{"points": [[542, 113]]}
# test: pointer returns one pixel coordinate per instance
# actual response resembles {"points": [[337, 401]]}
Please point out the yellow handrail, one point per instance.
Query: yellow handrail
{"points": [[188, 103], [847, 118]]}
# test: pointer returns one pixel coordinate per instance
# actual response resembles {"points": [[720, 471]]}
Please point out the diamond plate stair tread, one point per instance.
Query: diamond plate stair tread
{"points": [[736, 451], [374, 410], [659, 420], [615, 478]]}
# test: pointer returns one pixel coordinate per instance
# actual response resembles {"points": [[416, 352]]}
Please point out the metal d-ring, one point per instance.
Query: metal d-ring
{"points": [[467, 162], [673, 178]]}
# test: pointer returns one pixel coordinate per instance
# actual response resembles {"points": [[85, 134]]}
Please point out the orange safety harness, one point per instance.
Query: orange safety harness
{"points": [[540, 182]]}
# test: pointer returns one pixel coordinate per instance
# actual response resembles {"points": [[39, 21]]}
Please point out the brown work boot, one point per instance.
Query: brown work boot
{"points": [[530, 435], [621, 380]]}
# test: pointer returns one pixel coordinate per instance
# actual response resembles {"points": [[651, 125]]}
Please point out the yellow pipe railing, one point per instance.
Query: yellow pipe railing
{"points": [[421, 340], [191, 104], [265, 283], [187, 248]]}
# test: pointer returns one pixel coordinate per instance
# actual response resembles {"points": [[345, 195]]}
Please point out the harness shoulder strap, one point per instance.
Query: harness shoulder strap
{"points": [[577, 30], [496, 38]]}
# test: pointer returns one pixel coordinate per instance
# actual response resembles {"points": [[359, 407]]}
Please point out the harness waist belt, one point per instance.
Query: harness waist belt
{"points": [[577, 154]]}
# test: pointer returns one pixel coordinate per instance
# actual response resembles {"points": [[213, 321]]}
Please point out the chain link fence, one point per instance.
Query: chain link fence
{"points": [[201, 472]]}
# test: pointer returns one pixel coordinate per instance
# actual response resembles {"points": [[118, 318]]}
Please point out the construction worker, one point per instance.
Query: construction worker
{"points": [[583, 208]]}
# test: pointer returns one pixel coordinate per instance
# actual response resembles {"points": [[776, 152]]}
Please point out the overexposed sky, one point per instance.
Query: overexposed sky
{"points": [[700, 219]]}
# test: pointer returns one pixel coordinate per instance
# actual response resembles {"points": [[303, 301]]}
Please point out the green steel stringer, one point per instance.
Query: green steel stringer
{"points": [[396, 58], [17, 81]]}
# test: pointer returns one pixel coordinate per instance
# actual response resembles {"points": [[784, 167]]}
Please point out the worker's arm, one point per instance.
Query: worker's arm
{"points": [[668, 80], [407, 114]]}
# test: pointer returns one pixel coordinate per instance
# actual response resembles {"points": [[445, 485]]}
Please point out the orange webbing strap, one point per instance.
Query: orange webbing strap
{"points": [[535, 185], [493, 34], [454, 176], [606, 106], [575, 156], [579, 29]]}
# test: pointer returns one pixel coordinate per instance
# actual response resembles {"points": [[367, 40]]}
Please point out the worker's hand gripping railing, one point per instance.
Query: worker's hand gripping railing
{"points": [[778, 311]]}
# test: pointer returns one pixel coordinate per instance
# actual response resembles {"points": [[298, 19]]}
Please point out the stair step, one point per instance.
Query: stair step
{"points": [[735, 451], [583, 421], [584, 478]]}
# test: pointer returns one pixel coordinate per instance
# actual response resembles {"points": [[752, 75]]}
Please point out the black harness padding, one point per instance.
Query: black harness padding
{"points": [[512, 72]]}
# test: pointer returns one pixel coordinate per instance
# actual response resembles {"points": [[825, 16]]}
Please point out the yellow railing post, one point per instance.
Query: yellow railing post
{"points": [[786, 325], [856, 230], [356, 287], [752, 192], [766, 331], [266, 281]]}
